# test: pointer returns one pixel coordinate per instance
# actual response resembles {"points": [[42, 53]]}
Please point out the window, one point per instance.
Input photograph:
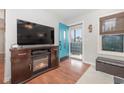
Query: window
{"points": [[112, 32], [109, 25], [76, 35], [112, 43]]}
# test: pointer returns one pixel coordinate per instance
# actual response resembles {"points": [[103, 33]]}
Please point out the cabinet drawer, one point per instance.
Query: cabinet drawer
{"points": [[110, 69], [21, 53]]}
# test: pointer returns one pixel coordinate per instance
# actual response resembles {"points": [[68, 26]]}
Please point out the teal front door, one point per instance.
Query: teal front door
{"points": [[63, 40]]}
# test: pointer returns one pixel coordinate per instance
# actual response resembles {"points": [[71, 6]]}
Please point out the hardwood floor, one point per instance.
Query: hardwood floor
{"points": [[1, 68], [68, 73]]}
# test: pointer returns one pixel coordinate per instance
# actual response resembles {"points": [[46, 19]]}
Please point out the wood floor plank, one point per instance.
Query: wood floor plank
{"points": [[68, 73], [1, 68]]}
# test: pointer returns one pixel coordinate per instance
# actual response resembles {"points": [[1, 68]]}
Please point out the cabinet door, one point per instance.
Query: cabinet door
{"points": [[21, 66], [54, 57]]}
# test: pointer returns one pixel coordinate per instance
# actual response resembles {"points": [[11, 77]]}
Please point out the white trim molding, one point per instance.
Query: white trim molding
{"points": [[88, 62], [108, 53]]}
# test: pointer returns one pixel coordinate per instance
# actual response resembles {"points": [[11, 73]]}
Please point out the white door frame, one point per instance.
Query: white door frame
{"points": [[82, 38]]}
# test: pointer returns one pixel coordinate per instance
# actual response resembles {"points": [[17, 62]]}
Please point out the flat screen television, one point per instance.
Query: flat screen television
{"points": [[29, 33], [112, 43]]}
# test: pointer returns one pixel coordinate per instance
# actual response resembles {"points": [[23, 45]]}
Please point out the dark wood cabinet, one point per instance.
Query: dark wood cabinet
{"points": [[22, 62], [54, 56], [110, 66], [21, 65]]}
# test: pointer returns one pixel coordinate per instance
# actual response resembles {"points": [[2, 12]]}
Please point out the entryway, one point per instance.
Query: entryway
{"points": [[75, 41], [70, 41]]}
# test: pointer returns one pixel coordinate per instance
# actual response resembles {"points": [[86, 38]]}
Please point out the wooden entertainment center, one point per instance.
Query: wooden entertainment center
{"points": [[29, 62]]}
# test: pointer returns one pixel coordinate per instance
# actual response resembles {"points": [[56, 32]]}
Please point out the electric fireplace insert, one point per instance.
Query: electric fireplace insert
{"points": [[41, 60]]}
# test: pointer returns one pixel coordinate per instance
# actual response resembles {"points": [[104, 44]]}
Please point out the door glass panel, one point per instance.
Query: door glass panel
{"points": [[76, 43], [64, 36]]}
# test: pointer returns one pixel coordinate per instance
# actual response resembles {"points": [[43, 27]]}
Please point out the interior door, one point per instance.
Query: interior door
{"points": [[63, 40]]}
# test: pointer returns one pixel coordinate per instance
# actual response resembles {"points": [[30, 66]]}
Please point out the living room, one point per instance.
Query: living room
{"points": [[89, 20]]}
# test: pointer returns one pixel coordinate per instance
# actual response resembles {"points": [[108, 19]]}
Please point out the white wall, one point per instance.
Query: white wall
{"points": [[37, 16], [91, 39], [2, 14]]}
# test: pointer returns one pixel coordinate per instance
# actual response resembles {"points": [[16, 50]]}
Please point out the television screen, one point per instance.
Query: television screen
{"points": [[112, 43], [29, 33]]}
